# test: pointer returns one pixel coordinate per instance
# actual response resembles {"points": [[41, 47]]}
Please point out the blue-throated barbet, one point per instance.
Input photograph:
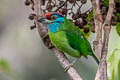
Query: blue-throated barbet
{"points": [[66, 37]]}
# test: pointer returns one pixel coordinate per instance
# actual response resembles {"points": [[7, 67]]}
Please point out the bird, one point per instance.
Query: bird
{"points": [[66, 37]]}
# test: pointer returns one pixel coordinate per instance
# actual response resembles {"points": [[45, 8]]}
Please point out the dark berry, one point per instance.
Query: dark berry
{"points": [[64, 11], [83, 1], [32, 7], [76, 16], [118, 10], [72, 1], [32, 27], [27, 2], [77, 23], [84, 21], [80, 24], [31, 16], [86, 29], [117, 4]]}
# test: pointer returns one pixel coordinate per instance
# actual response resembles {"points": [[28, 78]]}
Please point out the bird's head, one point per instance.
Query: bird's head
{"points": [[53, 19]]}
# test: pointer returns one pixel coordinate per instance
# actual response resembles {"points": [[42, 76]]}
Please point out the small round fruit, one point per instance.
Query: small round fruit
{"points": [[76, 16], [72, 1], [77, 22], [64, 11], [86, 29], [83, 1], [32, 27], [118, 10], [32, 7], [27, 2], [117, 4], [31, 16]]}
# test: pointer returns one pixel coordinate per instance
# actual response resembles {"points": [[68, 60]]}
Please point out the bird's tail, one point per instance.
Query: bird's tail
{"points": [[96, 59]]}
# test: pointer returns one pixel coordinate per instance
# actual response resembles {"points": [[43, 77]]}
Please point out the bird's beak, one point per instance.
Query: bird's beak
{"points": [[44, 21]]}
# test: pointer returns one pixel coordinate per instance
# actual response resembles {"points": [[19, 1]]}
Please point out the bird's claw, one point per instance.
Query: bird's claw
{"points": [[68, 67]]}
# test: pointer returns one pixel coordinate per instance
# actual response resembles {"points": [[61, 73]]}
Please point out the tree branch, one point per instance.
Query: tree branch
{"points": [[97, 44], [102, 69], [72, 73]]}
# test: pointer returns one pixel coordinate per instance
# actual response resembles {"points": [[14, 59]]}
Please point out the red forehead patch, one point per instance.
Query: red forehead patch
{"points": [[47, 15]]}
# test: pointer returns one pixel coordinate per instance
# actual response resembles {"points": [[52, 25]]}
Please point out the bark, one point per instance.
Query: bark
{"points": [[102, 69], [97, 44]]}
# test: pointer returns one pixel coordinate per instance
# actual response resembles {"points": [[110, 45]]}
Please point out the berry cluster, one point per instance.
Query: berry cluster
{"points": [[32, 15], [116, 13], [77, 17], [116, 16]]}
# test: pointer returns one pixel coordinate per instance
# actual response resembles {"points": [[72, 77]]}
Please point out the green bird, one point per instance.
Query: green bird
{"points": [[67, 37]]}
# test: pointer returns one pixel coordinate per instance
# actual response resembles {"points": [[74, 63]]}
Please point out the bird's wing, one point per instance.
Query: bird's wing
{"points": [[78, 42], [60, 41]]}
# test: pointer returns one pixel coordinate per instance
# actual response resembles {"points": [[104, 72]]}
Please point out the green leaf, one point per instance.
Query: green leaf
{"points": [[118, 28], [90, 15], [118, 14], [113, 64], [106, 2], [4, 65], [119, 70]]}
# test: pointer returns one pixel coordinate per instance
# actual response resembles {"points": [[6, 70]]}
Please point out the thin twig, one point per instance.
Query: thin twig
{"points": [[72, 73], [102, 69], [61, 6]]}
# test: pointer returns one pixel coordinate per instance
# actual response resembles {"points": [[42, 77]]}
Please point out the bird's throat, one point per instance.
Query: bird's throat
{"points": [[54, 27]]}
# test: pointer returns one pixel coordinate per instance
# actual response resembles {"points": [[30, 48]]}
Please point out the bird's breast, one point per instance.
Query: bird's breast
{"points": [[58, 38]]}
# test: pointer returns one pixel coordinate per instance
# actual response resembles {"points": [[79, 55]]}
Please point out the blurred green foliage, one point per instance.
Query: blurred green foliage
{"points": [[119, 70], [90, 15], [4, 65], [113, 64], [106, 2], [118, 28]]}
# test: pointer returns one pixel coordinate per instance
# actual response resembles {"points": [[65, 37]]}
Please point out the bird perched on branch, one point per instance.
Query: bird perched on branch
{"points": [[67, 37]]}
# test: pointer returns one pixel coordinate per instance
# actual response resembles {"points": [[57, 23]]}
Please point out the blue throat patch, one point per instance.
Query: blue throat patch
{"points": [[55, 25]]}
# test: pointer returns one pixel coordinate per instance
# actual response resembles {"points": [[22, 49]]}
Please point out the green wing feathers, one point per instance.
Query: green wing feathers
{"points": [[77, 42], [60, 41]]}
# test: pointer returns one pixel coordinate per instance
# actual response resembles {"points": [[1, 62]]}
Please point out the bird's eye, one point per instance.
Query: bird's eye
{"points": [[53, 18]]}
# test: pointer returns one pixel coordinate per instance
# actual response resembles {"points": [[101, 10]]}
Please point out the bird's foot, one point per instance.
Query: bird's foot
{"points": [[68, 67], [71, 64]]}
